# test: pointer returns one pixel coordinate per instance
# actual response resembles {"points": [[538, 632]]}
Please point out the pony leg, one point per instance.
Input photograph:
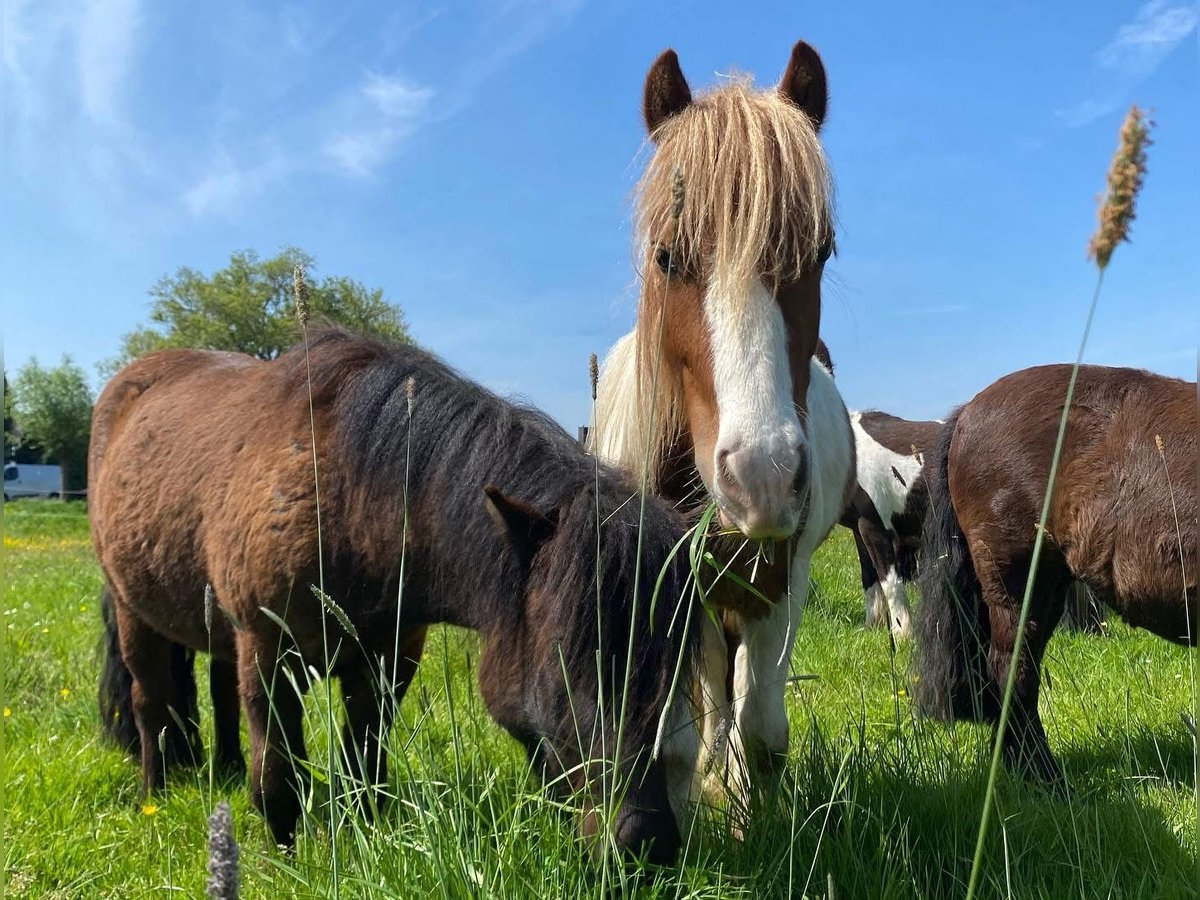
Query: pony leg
{"points": [[887, 607], [147, 655], [899, 617], [1083, 611], [1025, 747], [370, 711], [273, 707], [873, 602], [714, 716], [184, 744], [759, 739], [227, 739]]}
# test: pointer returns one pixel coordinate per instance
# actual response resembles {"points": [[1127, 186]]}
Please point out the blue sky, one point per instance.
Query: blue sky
{"points": [[475, 160]]}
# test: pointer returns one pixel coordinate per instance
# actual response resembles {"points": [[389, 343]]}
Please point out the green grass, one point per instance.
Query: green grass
{"points": [[874, 803]]}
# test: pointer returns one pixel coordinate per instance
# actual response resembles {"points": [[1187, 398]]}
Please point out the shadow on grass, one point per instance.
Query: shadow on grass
{"points": [[1161, 755], [857, 818]]}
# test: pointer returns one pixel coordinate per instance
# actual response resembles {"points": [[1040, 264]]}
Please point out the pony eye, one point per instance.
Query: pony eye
{"points": [[665, 258], [826, 251]]}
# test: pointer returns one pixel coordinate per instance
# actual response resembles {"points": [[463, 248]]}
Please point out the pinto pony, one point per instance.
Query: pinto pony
{"points": [[717, 388], [439, 502], [1123, 520], [887, 510]]}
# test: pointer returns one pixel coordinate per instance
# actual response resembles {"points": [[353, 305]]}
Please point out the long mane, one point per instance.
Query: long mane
{"points": [[447, 437], [757, 200]]}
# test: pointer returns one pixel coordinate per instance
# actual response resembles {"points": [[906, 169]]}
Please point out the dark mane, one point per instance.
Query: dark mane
{"points": [[448, 447]]}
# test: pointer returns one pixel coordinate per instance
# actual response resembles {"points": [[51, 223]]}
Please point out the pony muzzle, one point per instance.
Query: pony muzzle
{"points": [[762, 491], [638, 833]]}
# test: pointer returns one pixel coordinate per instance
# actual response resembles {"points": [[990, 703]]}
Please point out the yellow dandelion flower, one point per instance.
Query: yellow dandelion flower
{"points": [[902, 693], [7, 713], [64, 693], [149, 809]]}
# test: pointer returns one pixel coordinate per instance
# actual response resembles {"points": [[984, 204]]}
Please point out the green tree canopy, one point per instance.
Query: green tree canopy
{"points": [[10, 428], [53, 408], [248, 307]]}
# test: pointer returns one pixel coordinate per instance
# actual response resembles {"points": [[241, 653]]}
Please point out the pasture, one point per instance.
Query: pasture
{"points": [[874, 802]]}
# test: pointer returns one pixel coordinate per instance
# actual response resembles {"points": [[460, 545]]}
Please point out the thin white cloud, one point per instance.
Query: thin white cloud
{"points": [[1086, 112], [507, 30], [69, 69], [226, 186], [374, 121], [1137, 49], [354, 135], [1140, 46], [75, 72], [106, 31]]}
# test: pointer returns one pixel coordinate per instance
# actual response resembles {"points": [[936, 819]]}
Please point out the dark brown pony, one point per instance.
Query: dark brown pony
{"points": [[1123, 520], [203, 469]]}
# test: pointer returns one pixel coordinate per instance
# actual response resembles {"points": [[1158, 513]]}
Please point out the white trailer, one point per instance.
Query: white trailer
{"points": [[21, 480]]}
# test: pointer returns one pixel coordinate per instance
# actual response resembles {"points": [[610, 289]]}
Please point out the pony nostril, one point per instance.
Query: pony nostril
{"points": [[727, 479]]}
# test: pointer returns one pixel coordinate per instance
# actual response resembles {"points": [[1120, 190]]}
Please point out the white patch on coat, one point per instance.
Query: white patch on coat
{"points": [[876, 606], [830, 454], [763, 660], [896, 603], [875, 475]]}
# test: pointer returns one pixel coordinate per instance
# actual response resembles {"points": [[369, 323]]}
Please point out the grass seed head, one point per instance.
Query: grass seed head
{"points": [[208, 608], [594, 373], [222, 855], [300, 290], [677, 193], [1125, 177]]}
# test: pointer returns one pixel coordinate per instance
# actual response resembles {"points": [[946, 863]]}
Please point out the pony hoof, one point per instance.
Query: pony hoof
{"points": [[231, 770]]}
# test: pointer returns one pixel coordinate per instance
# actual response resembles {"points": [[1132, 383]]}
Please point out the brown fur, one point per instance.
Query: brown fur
{"points": [[1122, 519], [204, 475]]}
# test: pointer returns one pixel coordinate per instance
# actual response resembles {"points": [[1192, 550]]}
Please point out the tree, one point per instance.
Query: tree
{"points": [[248, 307], [53, 408], [11, 438]]}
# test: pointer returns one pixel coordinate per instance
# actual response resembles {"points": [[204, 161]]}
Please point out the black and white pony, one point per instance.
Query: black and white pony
{"points": [[886, 511]]}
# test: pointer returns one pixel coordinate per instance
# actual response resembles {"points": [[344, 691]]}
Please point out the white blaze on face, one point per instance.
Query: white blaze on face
{"points": [[759, 440]]}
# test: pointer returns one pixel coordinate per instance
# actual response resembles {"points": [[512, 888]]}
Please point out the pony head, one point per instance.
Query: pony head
{"points": [[584, 680], [734, 213]]}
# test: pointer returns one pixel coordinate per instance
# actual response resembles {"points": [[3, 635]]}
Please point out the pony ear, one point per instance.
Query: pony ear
{"points": [[804, 82], [524, 527], [666, 92]]}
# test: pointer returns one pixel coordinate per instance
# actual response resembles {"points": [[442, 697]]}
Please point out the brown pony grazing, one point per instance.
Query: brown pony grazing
{"points": [[718, 386], [887, 510], [1123, 520], [491, 516]]}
